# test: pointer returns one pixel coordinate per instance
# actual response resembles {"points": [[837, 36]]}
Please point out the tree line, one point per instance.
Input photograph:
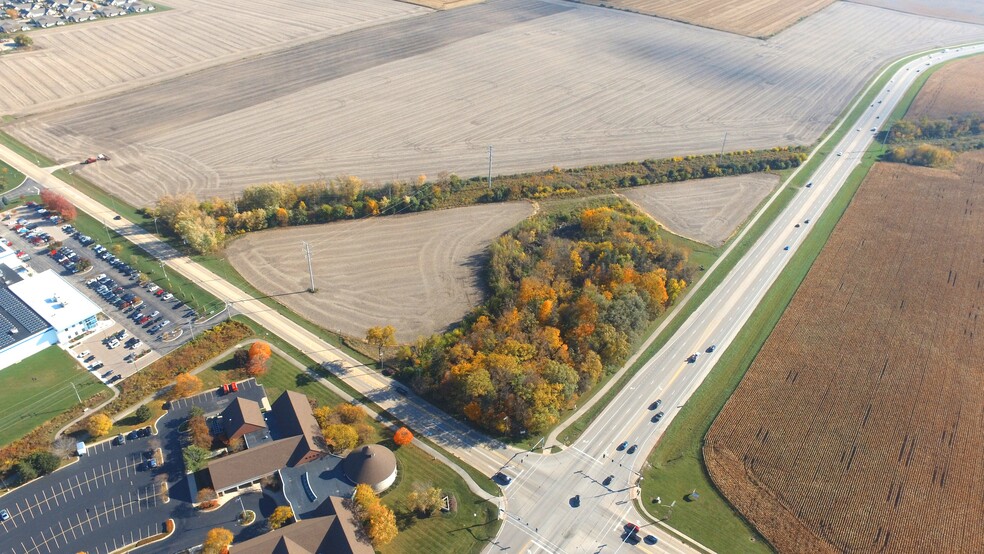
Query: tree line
{"points": [[206, 224], [570, 293]]}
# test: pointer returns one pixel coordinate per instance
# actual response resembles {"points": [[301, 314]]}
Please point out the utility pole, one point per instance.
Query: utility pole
{"points": [[307, 254], [723, 142], [490, 167]]}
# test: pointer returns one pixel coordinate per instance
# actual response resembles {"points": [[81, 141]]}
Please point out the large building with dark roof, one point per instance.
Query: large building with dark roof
{"points": [[293, 439], [335, 533]]}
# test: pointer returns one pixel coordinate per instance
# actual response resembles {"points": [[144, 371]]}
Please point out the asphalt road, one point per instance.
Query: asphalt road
{"points": [[535, 510], [539, 515]]}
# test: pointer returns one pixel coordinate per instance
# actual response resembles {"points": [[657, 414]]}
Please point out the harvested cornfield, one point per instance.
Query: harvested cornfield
{"points": [[754, 18], [707, 210], [418, 272], [858, 428], [955, 89], [545, 83]]}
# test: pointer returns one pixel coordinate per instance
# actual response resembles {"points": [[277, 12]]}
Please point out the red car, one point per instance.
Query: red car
{"points": [[225, 389], [234, 387]]}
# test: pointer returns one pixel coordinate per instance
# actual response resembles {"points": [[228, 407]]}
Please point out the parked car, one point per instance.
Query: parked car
{"points": [[4, 515]]}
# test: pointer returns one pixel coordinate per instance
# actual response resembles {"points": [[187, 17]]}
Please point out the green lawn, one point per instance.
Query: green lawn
{"points": [[9, 177], [468, 530], [38, 389]]}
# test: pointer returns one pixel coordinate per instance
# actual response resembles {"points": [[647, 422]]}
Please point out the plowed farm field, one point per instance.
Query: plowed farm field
{"points": [[707, 210], [418, 272], [859, 426], [545, 83], [955, 89], [754, 18]]}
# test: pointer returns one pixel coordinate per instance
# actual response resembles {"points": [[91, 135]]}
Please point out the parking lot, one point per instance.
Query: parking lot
{"points": [[107, 499], [112, 285]]}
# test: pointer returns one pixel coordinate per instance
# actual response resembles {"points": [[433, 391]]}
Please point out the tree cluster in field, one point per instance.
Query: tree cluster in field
{"points": [[58, 204], [906, 130], [205, 225], [378, 520], [344, 427], [928, 155], [570, 292], [158, 376]]}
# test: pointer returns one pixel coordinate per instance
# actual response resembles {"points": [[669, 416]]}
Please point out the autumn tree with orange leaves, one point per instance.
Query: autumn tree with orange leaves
{"points": [[403, 436]]}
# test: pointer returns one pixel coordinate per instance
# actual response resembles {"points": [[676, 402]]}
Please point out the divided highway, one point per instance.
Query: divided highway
{"points": [[540, 513], [539, 508]]}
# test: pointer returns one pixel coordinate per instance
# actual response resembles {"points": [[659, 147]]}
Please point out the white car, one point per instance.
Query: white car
{"points": [[82, 354], [167, 296], [152, 287], [113, 344]]}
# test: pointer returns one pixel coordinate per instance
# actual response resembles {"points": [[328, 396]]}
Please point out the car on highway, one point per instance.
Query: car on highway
{"points": [[622, 446], [807, 221], [576, 501], [657, 417], [840, 153], [608, 480], [502, 479], [650, 539], [693, 357], [786, 247], [810, 184], [655, 405], [633, 448], [711, 348]]}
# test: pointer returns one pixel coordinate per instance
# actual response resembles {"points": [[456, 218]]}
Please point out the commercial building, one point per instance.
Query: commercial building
{"points": [[39, 311]]}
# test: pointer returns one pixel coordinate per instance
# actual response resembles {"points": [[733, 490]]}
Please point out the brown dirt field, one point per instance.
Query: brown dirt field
{"points": [[417, 272], [955, 89], [546, 83], [706, 210], [859, 426], [969, 11], [754, 18]]}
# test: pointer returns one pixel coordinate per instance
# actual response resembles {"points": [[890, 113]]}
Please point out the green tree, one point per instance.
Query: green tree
{"points": [[43, 462], [24, 471], [195, 458], [23, 40], [142, 413]]}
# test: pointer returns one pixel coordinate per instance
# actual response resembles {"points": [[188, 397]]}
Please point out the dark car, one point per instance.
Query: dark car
{"points": [[656, 405], [144, 431], [622, 446], [132, 435], [657, 417], [651, 539], [576, 501], [633, 448], [502, 479], [115, 378], [712, 348], [608, 480]]}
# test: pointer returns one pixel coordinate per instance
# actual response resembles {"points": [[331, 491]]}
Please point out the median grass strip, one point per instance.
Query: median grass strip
{"points": [[38, 389]]}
